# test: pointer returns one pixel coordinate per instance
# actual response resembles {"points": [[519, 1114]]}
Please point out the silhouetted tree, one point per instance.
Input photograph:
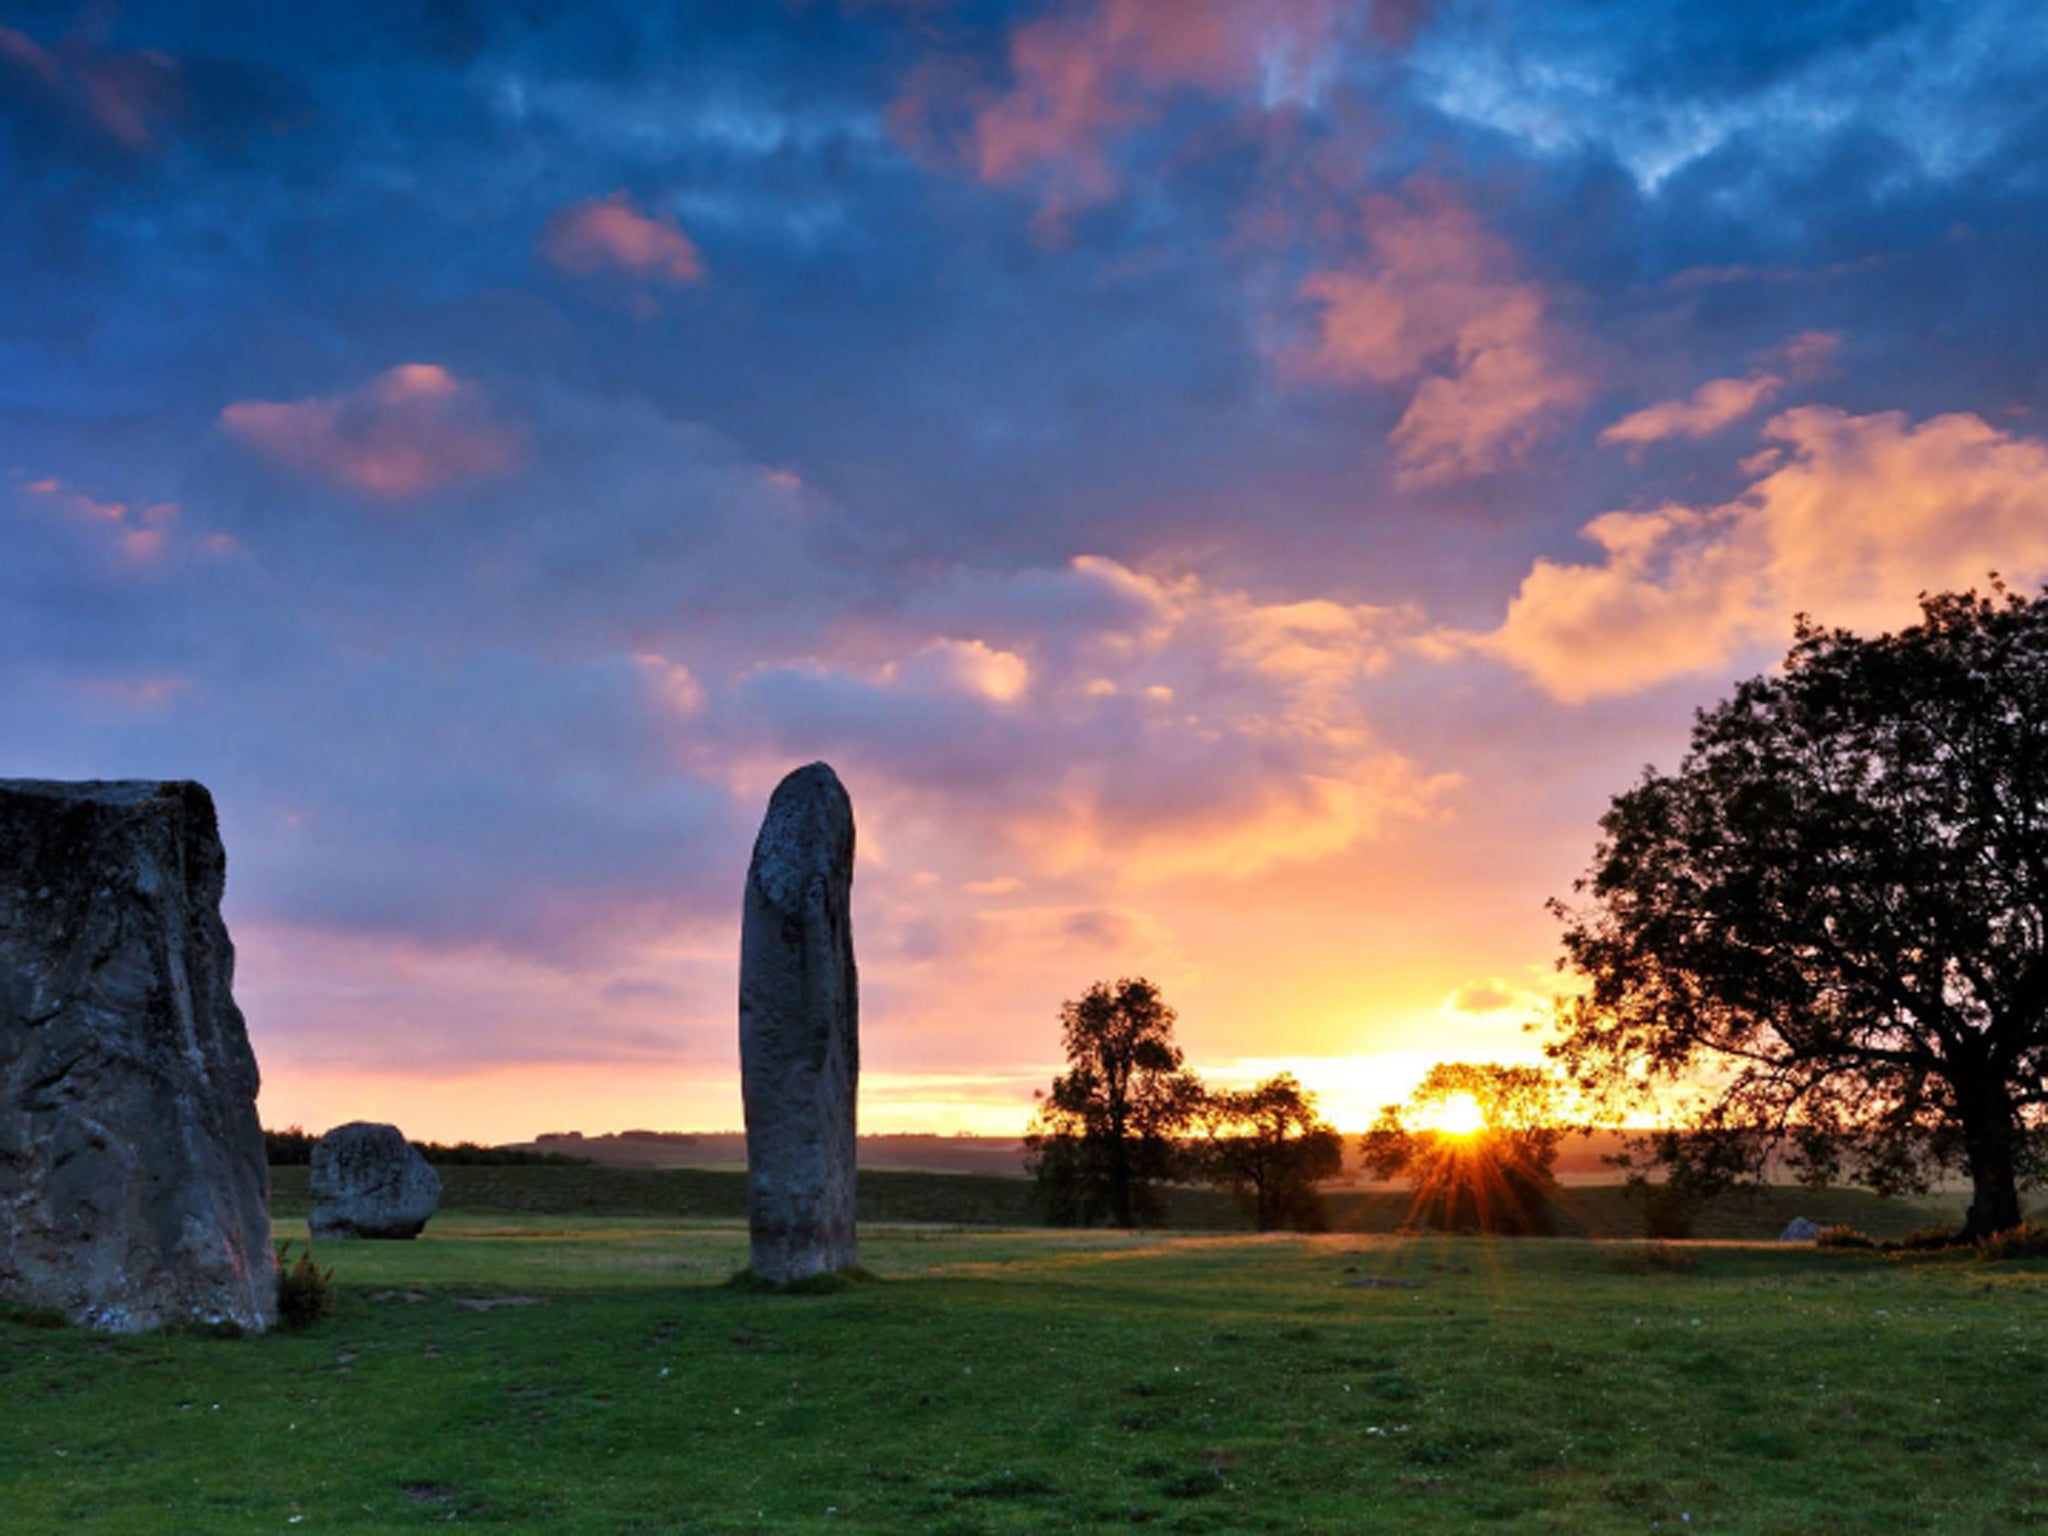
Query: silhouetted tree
{"points": [[291, 1146], [1494, 1177], [1269, 1148], [1833, 917], [1105, 1135]]}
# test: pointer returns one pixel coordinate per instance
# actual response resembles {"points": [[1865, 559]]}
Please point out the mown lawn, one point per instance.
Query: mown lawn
{"points": [[595, 1374]]}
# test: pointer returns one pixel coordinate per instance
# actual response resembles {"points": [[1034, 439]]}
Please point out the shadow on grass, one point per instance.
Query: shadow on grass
{"points": [[830, 1283]]}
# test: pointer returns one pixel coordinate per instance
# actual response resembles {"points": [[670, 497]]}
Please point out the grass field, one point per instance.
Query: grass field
{"points": [[594, 1373], [984, 1200]]}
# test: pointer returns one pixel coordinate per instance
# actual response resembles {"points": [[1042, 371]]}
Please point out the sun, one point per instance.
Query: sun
{"points": [[1459, 1115]]}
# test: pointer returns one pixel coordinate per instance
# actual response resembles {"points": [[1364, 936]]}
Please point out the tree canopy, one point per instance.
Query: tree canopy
{"points": [[1104, 1139], [1270, 1148], [1492, 1174], [1829, 927]]}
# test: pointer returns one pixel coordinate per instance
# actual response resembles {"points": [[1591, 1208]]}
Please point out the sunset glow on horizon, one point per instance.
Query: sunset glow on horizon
{"points": [[1232, 488]]}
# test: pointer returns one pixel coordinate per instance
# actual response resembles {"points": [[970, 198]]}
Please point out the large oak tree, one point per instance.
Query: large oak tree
{"points": [[1829, 927]]}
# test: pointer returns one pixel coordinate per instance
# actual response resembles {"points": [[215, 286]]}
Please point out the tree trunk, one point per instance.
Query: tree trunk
{"points": [[1120, 1211], [1991, 1144]]}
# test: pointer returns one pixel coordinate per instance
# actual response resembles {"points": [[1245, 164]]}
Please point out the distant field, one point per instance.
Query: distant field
{"points": [[594, 1374], [1581, 1159], [981, 1200]]}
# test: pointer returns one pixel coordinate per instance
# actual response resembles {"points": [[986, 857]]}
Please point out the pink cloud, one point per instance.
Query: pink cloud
{"points": [[122, 98], [136, 693], [1437, 303], [1715, 404], [1091, 71], [1858, 516], [609, 234], [410, 430], [672, 685], [139, 532]]}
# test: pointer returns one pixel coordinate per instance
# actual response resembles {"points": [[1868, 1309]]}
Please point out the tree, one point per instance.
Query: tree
{"points": [[1104, 1137], [1485, 1165], [1831, 923], [1269, 1148]]}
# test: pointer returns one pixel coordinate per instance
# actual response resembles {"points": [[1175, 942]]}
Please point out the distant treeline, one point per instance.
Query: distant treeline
{"points": [[293, 1147]]}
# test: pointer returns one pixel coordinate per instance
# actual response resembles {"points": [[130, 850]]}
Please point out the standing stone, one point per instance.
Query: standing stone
{"points": [[133, 1190], [800, 1031], [1799, 1230], [369, 1181]]}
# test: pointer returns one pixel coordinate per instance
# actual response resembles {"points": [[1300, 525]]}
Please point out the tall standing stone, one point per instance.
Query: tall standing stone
{"points": [[133, 1191], [800, 1031]]}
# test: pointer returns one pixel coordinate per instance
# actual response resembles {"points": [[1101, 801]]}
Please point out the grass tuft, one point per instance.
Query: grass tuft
{"points": [[2029, 1240]]}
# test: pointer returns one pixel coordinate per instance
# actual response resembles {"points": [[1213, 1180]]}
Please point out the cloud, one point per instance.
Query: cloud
{"points": [[106, 110], [140, 533], [1715, 404], [1849, 519], [1090, 72], [117, 101], [1179, 728], [608, 234], [1662, 86], [1437, 303], [410, 430]]}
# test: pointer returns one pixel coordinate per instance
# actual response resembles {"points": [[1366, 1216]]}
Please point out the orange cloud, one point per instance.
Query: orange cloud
{"points": [[608, 234], [1146, 727], [1438, 303], [1715, 404], [410, 430], [1858, 516]]}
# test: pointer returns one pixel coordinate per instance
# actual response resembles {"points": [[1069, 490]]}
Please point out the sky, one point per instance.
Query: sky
{"points": [[1234, 487]]}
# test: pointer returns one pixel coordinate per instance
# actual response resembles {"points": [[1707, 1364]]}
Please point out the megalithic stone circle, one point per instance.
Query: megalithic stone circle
{"points": [[133, 1190], [800, 1031]]}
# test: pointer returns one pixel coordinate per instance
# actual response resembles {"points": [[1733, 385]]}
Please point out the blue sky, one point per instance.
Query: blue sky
{"points": [[1233, 485]]}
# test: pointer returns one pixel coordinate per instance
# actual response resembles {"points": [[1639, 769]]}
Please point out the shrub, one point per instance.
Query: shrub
{"points": [[1841, 1235], [305, 1291], [2029, 1240], [1653, 1258], [1670, 1211], [1925, 1240]]}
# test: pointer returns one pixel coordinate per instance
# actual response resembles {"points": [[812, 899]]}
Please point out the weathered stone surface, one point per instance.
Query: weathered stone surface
{"points": [[800, 1030], [1799, 1230], [369, 1181], [133, 1190]]}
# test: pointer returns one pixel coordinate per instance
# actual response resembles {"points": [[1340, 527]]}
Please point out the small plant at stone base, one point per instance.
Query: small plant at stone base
{"points": [[305, 1291], [2029, 1240], [1841, 1235]]}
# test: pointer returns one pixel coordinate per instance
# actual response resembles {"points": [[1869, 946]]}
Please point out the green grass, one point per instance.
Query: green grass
{"points": [[570, 1372]]}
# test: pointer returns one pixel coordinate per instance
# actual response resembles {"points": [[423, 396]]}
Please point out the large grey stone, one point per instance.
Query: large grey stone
{"points": [[1799, 1230], [800, 1031], [369, 1181], [133, 1190]]}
